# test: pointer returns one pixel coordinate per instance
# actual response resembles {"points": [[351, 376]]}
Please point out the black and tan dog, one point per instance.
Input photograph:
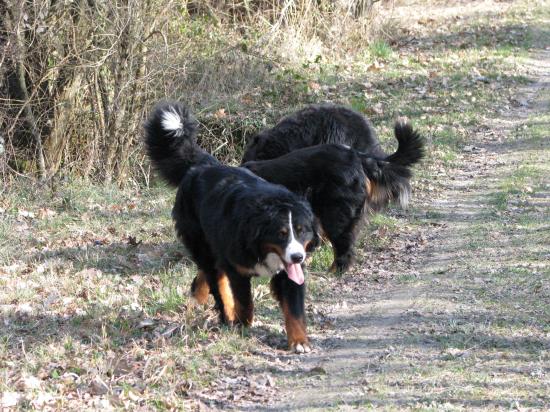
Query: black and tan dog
{"points": [[235, 224], [315, 125], [341, 181]]}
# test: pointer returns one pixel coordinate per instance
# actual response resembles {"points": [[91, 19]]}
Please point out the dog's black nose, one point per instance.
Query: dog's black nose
{"points": [[297, 257]]}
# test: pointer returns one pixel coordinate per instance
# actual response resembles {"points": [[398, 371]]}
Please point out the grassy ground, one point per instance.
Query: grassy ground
{"points": [[93, 285]]}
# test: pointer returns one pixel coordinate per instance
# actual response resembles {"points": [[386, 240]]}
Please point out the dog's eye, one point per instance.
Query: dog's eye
{"points": [[299, 229], [283, 233]]}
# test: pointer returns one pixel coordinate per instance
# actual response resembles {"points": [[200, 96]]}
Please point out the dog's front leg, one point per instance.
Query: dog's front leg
{"points": [[291, 299]]}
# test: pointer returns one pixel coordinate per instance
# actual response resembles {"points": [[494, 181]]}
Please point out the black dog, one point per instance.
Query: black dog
{"points": [[313, 125], [234, 224], [342, 182]]}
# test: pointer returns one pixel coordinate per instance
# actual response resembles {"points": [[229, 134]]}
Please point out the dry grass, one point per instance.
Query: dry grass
{"points": [[73, 100]]}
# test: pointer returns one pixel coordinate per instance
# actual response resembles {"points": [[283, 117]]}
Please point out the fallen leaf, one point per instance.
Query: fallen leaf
{"points": [[10, 399], [314, 86], [42, 399], [375, 67], [146, 323], [378, 108], [89, 273], [220, 114], [132, 241], [45, 213], [25, 213], [98, 387]]}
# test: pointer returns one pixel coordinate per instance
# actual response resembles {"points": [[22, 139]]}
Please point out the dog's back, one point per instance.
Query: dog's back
{"points": [[314, 125], [310, 167]]}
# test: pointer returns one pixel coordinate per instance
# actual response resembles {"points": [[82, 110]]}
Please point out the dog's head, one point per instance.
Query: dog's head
{"points": [[263, 146], [252, 148], [283, 235]]}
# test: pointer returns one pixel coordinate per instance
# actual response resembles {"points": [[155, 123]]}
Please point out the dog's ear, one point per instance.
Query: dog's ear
{"points": [[258, 217], [251, 149], [243, 245]]}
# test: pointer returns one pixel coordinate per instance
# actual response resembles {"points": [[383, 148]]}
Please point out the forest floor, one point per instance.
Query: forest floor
{"points": [[447, 308]]}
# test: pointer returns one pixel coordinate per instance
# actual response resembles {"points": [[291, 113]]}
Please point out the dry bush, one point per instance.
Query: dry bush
{"points": [[77, 77], [75, 81]]}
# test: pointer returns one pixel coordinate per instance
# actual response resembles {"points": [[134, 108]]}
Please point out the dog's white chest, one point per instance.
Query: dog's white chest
{"points": [[270, 266]]}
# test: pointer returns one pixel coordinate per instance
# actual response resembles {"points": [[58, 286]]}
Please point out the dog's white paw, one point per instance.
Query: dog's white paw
{"points": [[300, 348]]}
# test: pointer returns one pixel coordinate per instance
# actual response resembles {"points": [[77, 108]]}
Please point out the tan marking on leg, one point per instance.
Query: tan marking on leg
{"points": [[227, 297], [295, 330], [201, 291]]}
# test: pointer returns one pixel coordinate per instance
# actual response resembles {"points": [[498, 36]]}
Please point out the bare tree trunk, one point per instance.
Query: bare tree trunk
{"points": [[27, 109], [63, 118]]}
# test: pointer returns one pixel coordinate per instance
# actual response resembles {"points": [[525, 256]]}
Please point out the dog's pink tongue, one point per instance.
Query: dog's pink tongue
{"points": [[295, 273]]}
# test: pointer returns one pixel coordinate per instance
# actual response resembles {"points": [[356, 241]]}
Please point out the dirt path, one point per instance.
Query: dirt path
{"points": [[470, 330]]}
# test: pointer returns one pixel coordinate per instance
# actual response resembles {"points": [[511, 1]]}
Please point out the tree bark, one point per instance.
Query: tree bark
{"points": [[21, 84]]}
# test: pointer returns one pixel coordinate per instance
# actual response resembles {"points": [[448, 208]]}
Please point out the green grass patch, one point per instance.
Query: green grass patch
{"points": [[322, 258], [516, 186], [171, 291], [380, 50]]}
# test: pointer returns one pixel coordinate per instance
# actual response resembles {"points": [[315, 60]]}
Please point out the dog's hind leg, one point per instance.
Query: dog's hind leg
{"points": [[339, 228], [210, 280], [344, 245], [291, 299], [200, 288], [341, 222], [227, 306]]}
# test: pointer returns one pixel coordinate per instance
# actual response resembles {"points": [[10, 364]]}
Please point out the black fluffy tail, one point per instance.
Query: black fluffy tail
{"points": [[170, 140], [389, 179], [410, 149]]}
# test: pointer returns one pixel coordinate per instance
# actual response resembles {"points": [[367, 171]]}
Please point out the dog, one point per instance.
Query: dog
{"points": [[342, 182], [311, 126], [234, 224]]}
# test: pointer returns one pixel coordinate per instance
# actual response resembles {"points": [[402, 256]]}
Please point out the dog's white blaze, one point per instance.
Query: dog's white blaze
{"points": [[171, 121], [293, 246], [270, 266]]}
